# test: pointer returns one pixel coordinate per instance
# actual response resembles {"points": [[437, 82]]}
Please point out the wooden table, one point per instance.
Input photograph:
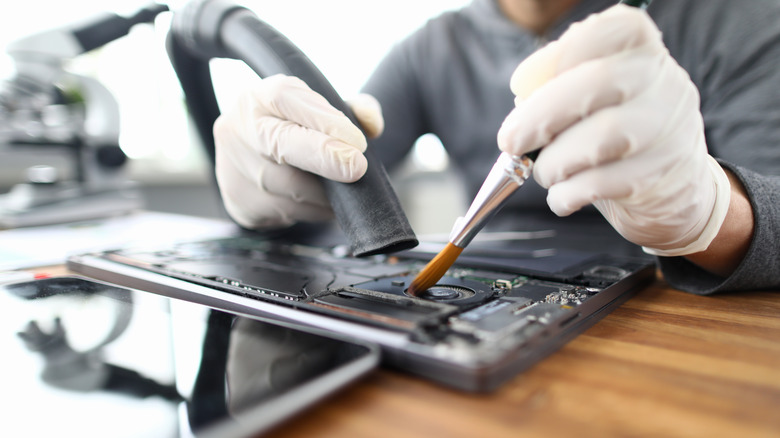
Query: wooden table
{"points": [[666, 363]]}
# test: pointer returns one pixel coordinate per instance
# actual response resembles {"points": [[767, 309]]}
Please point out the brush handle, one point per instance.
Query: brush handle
{"points": [[533, 154], [642, 4]]}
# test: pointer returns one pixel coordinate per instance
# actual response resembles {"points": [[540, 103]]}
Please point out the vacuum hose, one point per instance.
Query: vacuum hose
{"points": [[368, 211]]}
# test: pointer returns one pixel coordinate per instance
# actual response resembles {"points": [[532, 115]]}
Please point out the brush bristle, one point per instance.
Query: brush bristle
{"points": [[434, 270]]}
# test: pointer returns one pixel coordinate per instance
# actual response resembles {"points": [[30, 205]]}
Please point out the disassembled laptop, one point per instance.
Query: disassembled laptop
{"points": [[488, 319]]}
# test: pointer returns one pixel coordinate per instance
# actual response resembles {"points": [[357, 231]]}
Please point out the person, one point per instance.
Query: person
{"points": [[667, 121]]}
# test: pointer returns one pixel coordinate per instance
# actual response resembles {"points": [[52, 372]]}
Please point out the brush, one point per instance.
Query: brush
{"points": [[506, 176]]}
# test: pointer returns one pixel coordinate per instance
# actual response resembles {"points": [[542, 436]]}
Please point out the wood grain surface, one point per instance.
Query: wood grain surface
{"points": [[666, 363]]}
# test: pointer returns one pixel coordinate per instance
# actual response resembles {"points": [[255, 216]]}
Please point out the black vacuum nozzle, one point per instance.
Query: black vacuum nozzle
{"points": [[368, 211]]}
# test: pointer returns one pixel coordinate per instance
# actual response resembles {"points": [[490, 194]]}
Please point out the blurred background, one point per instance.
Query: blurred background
{"points": [[344, 38]]}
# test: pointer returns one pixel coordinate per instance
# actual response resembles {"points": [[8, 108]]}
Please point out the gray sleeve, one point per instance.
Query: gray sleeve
{"points": [[732, 52], [394, 84], [761, 267]]}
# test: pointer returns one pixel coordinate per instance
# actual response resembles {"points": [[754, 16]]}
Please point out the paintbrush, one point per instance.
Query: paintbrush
{"points": [[506, 176]]}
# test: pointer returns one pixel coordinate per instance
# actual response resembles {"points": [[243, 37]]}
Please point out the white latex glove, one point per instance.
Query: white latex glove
{"points": [[620, 123], [272, 142]]}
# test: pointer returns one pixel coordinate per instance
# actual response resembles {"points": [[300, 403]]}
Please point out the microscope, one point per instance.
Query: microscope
{"points": [[46, 109]]}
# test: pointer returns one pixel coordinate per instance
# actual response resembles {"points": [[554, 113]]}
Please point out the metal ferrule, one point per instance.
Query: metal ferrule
{"points": [[506, 176]]}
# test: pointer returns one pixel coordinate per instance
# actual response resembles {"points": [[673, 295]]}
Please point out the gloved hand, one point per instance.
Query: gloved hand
{"points": [[620, 123], [272, 142]]}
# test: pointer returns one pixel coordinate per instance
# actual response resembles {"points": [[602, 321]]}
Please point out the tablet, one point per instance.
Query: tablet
{"points": [[88, 358]]}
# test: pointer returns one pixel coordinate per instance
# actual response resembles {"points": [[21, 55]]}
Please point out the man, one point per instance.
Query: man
{"points": [[619, 122]]}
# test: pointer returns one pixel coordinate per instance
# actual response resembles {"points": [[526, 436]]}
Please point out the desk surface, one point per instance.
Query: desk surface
{"points": [[666, 363]]}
